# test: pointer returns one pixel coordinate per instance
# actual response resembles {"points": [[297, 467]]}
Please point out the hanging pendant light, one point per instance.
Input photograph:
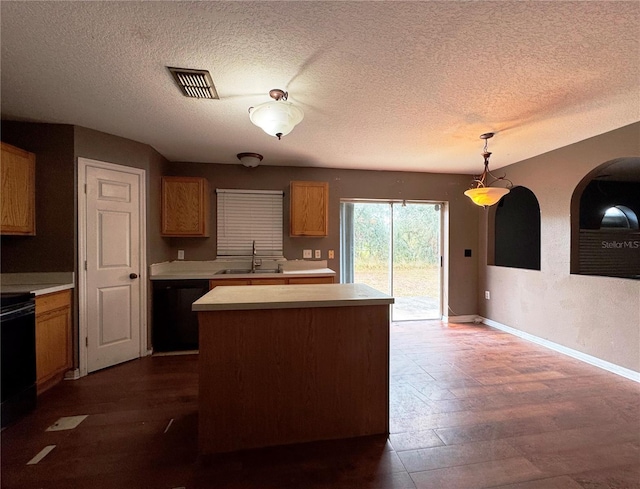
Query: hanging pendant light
{"points": [[276, 118], [481, 192]]}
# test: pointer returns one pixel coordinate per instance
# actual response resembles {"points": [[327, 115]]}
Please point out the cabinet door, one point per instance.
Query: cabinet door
{"points": [[231, 281], [185, 207], [18, 207], [268, 281], [310, 280], [309, 209], [53, 338]]}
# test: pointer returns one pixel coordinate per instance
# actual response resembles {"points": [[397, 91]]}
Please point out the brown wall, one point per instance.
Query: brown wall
{"points": [[99, 146], [343, 184], [57, 147], [52, 248]]}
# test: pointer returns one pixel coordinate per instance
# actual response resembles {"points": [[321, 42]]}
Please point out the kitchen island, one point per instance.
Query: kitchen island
{"points": [[282, 365]]}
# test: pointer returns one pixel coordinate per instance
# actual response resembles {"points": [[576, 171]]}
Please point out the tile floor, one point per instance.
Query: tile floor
{"points": [[471, 407]]}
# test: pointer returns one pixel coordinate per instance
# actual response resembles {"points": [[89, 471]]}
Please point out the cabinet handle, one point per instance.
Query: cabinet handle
{"points": [[133, 275]]}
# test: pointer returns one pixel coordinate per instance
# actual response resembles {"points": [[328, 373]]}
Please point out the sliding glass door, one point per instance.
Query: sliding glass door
{"points": [[395, 247]]}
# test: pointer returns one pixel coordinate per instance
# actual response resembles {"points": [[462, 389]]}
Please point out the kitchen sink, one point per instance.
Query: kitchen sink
{"points": [[238, 271]]}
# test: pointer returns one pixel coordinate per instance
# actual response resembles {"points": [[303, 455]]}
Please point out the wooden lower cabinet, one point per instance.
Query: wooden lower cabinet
{"points": [[270, 281], [53, 338], [310, 280]]}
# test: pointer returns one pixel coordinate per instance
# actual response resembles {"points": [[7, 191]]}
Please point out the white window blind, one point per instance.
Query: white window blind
{"points": [[245, 216]]}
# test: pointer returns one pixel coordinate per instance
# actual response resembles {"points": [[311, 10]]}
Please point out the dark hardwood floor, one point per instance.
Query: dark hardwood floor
{"points": [[471, 407]]}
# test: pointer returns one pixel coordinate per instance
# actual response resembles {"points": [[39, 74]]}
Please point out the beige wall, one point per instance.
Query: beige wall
{"points": [[599, 316], [343, 184]]}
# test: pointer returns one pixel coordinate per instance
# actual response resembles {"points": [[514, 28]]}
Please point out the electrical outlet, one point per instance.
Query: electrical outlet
{"points": [[331, 255], [306, 253], [487, 294], [318, 254], [180, 254]]}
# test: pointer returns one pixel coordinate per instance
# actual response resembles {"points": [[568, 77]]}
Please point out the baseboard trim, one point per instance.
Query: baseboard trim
{"points": [[73, 374], [469, 318], [597, 362]]}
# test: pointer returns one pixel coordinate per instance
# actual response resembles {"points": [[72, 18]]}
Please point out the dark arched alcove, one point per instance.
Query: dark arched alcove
{"points": [[605, 239], [517, 230]]}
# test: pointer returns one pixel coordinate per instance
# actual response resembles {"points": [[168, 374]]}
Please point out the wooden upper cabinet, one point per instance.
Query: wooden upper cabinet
{"points": [[185, 207], [309, 209], [18, 207]]}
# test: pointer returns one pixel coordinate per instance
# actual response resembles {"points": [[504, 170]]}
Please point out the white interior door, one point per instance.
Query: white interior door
{"points": [[114, 277]]}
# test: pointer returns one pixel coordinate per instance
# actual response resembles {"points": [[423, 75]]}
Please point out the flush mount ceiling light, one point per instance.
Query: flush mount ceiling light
{"points": [[250, 160], [481, 191], [276, 118]]}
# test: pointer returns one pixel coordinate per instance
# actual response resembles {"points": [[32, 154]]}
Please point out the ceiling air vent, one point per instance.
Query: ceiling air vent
{"points": [[194, 83]]}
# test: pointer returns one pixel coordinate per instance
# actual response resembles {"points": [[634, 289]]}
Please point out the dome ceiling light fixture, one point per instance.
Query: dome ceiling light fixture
{"points": [[250, 160], [278, 117], [481, 192]]}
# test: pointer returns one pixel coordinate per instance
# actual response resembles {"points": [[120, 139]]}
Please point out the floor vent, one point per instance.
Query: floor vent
{"points": [[194, 83]]}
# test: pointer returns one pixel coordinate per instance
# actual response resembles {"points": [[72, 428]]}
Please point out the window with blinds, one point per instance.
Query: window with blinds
{"points": [[245, 216]]}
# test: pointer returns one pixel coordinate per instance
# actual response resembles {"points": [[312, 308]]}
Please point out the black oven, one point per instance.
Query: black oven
{"points": [[18, 360]]}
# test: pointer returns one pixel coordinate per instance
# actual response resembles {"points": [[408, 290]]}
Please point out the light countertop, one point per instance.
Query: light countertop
{"points": [[251, 297], [185, 270], [36, 283]]}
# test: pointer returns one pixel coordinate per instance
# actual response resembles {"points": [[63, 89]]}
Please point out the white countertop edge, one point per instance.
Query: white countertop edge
{"points": [[36, 289], [252, 306], [324, 272], [252, 297], [196, 269]]}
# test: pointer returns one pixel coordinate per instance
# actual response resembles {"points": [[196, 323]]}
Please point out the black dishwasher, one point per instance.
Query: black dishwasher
{"points": [[18, 356], [175, 325]]}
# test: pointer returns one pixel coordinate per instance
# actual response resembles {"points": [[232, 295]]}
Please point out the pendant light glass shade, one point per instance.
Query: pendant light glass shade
{"points": [[481, 193], [278, 117], [486, 196]]}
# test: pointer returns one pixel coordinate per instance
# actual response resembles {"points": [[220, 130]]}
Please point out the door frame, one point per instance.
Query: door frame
{"points": [[83, 328], [444, 242]]}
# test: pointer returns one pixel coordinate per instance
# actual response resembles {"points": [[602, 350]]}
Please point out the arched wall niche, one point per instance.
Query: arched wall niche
{"points": [[599, 247], [514, 231]]}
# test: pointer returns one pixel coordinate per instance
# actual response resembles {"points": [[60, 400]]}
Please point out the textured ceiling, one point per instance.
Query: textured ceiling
{"points": [[384, 85]]}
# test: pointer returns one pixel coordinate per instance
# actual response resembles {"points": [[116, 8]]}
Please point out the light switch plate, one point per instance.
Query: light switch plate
{"points": [[331, 255], [180, 254], [306, 253]]}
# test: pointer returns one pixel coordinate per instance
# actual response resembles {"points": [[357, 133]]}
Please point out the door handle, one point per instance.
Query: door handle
{"points": [[133, 275]]}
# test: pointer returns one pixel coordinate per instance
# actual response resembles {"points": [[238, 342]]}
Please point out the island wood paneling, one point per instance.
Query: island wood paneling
{"points": [[281, 376]]}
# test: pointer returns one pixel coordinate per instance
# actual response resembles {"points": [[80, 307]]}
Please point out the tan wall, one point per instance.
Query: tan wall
{"points": [[599, 316], [461, 291]]}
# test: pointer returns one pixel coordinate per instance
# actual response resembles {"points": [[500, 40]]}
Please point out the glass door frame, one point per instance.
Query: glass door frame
{"points": [[346, 272]]}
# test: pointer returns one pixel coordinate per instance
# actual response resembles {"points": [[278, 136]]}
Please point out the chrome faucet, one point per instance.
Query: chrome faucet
{"points": [[253, 258]]}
